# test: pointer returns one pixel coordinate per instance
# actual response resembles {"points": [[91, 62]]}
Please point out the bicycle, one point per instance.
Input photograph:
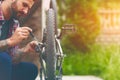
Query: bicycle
{"points": [[50, 50]]}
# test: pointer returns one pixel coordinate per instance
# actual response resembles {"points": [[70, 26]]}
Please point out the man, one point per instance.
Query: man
{"points": [[10, 37]]}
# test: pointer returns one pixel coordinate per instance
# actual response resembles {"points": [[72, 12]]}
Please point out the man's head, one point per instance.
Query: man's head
{"points": [[21, 7], [16, 8]]}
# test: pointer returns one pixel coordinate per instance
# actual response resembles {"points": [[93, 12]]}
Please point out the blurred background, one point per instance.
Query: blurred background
{"points": [[94, 47]]}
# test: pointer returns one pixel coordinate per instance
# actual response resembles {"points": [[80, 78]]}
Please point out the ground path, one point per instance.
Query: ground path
{"points": [[78, 78]]}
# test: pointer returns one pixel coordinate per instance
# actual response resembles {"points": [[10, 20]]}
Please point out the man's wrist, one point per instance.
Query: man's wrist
{"points": [[23, 50], [19, 52], [9, 42]]}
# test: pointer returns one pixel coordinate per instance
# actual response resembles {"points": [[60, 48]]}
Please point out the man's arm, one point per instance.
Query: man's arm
{"points": [[3, 45]]}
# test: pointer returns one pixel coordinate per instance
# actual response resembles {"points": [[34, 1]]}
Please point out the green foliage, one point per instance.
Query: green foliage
{"points": [[101, 61], [83, 14]]}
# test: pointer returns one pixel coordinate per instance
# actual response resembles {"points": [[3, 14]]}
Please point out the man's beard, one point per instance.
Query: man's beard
{"points": [[14, 14], [13, 11]]}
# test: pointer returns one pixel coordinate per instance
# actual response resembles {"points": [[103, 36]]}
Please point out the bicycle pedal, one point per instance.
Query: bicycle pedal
{"points": [[69, 27]]}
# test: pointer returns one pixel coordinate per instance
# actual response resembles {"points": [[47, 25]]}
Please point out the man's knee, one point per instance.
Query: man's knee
{"points": [[5, 66], [5, 58], [24, 71]]}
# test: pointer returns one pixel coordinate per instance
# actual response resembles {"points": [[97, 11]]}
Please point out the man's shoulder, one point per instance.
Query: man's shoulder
{"points": [[1, 14]]}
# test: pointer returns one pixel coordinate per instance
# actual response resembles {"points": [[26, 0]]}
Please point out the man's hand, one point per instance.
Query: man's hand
{"points": [[19, 35], [30, 47]]}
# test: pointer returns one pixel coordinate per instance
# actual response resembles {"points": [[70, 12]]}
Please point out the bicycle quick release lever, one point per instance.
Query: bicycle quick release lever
{"points": [[32, 35]]}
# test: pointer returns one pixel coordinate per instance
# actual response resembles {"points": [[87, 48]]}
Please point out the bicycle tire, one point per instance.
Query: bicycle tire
{"points": [[50, 49], [53, 5]]}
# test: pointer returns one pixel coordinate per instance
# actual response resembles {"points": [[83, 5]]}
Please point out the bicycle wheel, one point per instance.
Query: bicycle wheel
{"points": [[50, 49]]}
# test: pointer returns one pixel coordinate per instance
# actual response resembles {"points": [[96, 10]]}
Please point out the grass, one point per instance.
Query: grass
{"points": [[101, 61]]}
